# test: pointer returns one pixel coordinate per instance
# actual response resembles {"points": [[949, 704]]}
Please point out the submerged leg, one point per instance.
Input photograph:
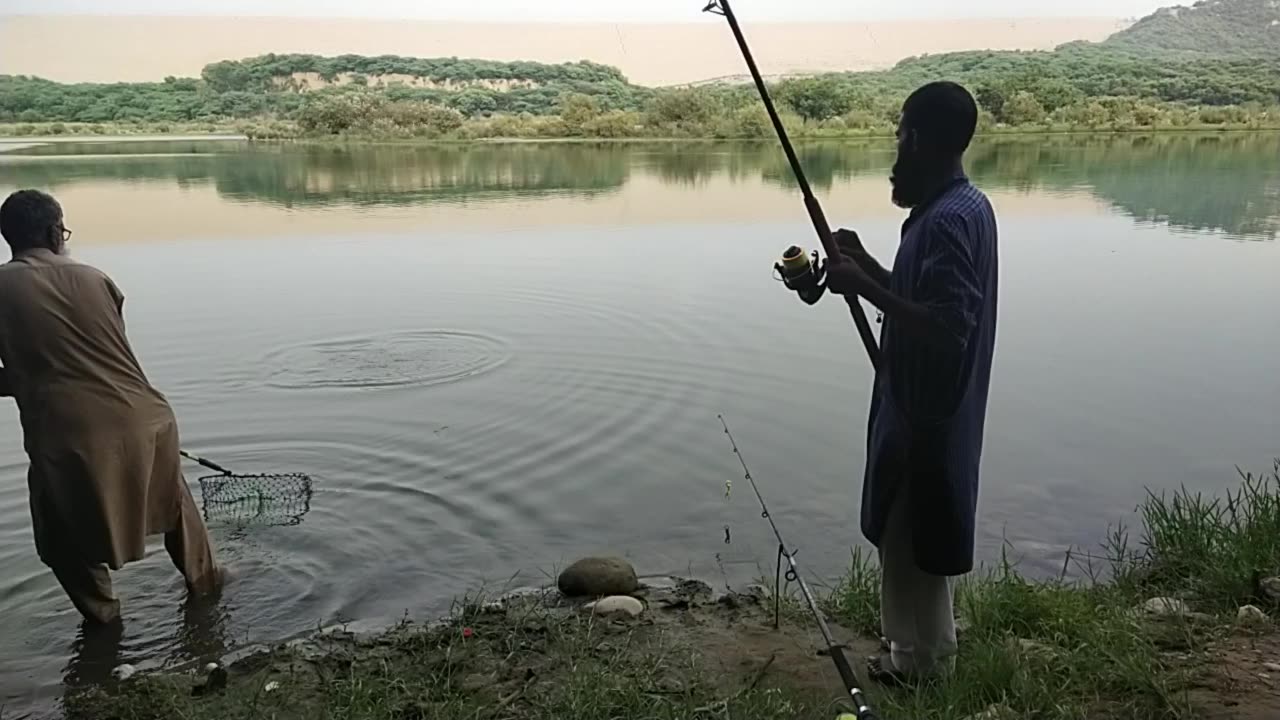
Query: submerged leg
{"points": [[189, 547]]}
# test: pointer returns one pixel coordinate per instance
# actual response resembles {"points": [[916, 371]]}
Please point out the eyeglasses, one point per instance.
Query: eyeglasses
{"points": [[66, 235]]}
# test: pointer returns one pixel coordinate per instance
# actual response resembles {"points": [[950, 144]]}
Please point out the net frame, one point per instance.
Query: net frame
{"points": [[264, 499]]}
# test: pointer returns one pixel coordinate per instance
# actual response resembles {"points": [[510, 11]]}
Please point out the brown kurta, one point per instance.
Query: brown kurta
{"points": [[105, 471]]}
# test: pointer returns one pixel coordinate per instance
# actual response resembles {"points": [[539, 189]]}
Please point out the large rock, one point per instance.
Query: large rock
{"points": [[597, 576], [1271, 588]]}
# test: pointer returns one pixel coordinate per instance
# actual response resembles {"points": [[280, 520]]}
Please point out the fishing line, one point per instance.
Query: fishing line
{"points": [[792, 575]]}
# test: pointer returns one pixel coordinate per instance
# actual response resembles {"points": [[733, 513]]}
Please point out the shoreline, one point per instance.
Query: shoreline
{"points": [[10, 142], [1174, 623]]}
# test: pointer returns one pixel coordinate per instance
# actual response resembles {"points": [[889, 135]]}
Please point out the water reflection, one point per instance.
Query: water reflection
{"points": [[203, 634], [1226, 182], [98, 650], [593, 362]]}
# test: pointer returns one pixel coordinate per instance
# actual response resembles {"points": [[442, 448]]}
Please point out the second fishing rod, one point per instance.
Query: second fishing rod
{"points": [[835, 650]]}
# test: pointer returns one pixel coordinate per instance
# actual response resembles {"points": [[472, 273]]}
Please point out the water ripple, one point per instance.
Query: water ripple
{"points": [[430, 357]]}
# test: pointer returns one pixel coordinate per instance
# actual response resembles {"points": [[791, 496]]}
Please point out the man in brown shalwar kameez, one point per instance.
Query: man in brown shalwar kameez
{"points": [[103, 443]]}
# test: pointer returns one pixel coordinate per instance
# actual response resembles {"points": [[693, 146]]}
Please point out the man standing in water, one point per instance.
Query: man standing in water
{"points": [[103, 443], [920, 490]]}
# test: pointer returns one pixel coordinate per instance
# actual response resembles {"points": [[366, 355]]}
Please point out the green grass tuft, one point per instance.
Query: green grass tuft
{"points": [[1212, 549]]}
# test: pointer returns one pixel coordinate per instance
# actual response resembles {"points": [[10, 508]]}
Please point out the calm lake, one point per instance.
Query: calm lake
{"points": [[494, 359]]}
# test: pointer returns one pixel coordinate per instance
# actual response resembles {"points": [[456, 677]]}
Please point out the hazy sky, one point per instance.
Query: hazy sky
{"points": [[594, 10]]}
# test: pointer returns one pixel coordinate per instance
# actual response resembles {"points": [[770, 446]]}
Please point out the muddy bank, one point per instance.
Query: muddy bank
{"points": [[535, 654], [1180, 624], [694, 653]]}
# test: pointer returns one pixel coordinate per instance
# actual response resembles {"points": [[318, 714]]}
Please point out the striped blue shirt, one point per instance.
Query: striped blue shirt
{"points": [[929, 405]]}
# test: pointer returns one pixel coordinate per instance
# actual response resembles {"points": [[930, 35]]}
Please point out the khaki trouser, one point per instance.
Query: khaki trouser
{"points": [[89, 584], [916, 611]]}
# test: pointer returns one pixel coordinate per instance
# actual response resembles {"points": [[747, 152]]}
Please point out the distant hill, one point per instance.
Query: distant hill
{"points": [[1215, 28], [117, 48], [1215, 53]]}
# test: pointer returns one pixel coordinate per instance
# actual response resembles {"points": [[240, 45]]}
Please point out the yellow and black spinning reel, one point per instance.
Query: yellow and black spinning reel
{"points": [[803, 274]]}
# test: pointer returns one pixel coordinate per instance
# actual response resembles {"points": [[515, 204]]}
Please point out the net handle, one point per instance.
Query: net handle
{"points": [[207, 463]]}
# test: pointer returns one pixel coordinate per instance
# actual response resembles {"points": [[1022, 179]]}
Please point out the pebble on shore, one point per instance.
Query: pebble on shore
{"points": [[1166, 606], [617, 605], [1251, 614]]}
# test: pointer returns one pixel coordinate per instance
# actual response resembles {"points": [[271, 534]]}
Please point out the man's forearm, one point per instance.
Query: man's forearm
{"points": [[873, 269], [917, 320]]}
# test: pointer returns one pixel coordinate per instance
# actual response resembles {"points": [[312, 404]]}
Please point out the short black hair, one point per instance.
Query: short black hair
{"points": [[26, 215], [944, 114]]}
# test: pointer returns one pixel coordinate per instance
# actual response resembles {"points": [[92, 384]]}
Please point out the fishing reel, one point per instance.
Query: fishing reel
{"points": [[802, 274], [805, 275]]}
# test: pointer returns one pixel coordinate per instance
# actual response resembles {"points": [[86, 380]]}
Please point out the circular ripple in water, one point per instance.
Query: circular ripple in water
{"points": [[418, 358]]}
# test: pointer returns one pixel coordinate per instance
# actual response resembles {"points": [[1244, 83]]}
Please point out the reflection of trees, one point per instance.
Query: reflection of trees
{"points": [[685, 163], [400, 175], [304, 175], [135, 147], [1226, 182]]}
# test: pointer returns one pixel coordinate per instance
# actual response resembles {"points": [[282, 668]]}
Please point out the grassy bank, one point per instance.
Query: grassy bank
{"points": [[112, 129], [551, 130], [1078, 646]]}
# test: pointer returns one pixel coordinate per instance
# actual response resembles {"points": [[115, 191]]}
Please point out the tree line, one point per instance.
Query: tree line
{"points": [[1078, 86]]}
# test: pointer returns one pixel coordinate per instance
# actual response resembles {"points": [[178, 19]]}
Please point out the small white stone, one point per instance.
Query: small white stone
{"points": [[994, 712], [1273, 667], [1251, 614], [124, 672], [1033, 649], [617, 605], [1165, 606], [271, 686]]}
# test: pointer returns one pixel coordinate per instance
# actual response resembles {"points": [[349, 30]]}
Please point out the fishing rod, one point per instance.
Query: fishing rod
{"points": [[834, 649], [801, 273]]}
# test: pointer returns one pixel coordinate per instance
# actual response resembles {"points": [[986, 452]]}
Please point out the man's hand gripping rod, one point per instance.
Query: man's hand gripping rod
{"points": [[799, 272]]}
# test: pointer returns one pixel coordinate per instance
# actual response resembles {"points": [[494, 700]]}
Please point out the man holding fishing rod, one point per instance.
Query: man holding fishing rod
{"points": [[103, 443], [920, 489]]}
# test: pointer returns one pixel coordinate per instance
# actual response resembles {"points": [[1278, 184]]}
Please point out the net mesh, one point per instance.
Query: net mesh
{"points": [[241, 500]]}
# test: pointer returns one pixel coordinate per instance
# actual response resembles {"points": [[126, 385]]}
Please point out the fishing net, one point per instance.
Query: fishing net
{"points": [[241, 500]]}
